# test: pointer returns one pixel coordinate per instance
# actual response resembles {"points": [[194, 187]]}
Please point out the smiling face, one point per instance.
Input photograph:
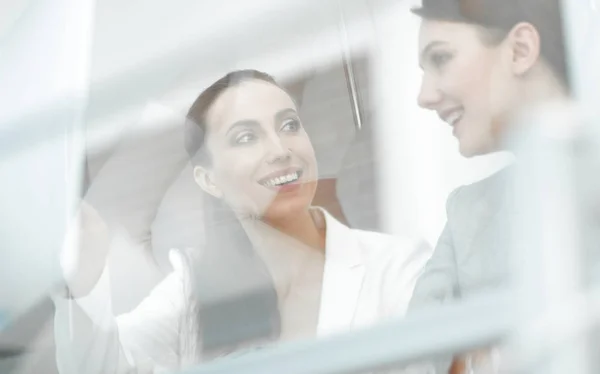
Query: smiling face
{"points": [[261, 160], [467, 82]]}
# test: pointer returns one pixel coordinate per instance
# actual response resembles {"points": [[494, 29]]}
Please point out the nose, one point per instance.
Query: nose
{"points": [[276, 151], [429, 95]]}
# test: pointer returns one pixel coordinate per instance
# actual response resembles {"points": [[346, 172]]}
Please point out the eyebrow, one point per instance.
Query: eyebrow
{"points": [[279, 116], [427, 49], [242, 123]]}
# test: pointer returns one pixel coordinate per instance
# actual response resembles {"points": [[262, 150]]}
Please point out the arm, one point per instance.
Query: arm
{"points": [[405, 277], [86, 335], [89, 339], [438, 282], [403, 270]]}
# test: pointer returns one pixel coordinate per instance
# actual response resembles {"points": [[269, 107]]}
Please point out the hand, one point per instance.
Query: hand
{"points": [[84, 253]]}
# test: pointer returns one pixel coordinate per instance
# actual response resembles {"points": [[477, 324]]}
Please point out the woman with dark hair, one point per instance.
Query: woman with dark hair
{"points": [[484, 63], [272, 268]]}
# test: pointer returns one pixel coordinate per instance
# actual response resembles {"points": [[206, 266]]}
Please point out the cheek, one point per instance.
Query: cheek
{"points": [[479, 95], [232, 168], [235, 174], [504, 97], [476, 77], [302, 148]]}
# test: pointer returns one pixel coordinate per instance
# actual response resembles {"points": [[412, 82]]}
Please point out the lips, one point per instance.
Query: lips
{"points": [[452, 116], [281, 178]]}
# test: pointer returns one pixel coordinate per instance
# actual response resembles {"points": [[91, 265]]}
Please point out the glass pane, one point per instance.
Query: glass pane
{"points": [[346, 200]]}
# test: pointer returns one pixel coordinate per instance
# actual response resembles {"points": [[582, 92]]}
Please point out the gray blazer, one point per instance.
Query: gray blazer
{"points": [[471, 254]]}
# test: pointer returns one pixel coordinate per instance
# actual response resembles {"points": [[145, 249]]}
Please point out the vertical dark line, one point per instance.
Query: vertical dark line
{"points": [[349, 73], [86, 179]]}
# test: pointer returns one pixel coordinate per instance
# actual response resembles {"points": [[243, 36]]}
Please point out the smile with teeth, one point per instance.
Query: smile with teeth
{"points": [[282, 180], [454, 117]]}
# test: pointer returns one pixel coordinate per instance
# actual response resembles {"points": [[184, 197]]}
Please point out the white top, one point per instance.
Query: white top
{"points": [[368, 277]]}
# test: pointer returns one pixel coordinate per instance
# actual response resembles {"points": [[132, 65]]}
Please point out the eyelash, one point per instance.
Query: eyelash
{"points": [[439, 59], [242, 138], [239, 140], [289, 122]]}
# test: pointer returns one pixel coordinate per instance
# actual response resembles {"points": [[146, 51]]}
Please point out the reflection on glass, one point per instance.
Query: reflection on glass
{"points": [[261, 230], [271, 266]]}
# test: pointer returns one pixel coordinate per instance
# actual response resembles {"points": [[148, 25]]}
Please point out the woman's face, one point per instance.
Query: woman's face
{"points": [[261, 159], [467, 82]]}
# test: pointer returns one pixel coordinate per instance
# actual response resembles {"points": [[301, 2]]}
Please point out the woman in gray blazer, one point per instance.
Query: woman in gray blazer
{"points": [[484, 62]]}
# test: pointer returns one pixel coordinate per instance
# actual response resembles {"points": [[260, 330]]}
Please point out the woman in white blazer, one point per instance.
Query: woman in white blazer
{"points": [[273, 268], [484, 62]]}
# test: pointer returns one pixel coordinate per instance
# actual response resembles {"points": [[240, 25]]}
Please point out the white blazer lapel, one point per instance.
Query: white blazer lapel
{"points": [[342, 279]]}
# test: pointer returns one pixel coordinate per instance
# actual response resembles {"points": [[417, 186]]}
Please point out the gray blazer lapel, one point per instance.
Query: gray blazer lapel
{"points": [[478, 234]]}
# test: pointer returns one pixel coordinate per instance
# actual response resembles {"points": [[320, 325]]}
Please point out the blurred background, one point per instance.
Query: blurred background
{"points": [[93, 95]]}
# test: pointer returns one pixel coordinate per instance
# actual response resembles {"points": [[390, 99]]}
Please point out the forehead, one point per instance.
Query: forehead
{"points": [[251, 100], [448, 32]]}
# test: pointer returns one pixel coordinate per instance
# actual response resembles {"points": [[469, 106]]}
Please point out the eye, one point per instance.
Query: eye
{"points": [[439, 59], [244, 137], [291, 125]]}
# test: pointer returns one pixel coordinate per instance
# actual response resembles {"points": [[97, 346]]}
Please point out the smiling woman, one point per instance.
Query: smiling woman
{"points": [[484, 63], [272, 266], [247, 160], [254, 165]]}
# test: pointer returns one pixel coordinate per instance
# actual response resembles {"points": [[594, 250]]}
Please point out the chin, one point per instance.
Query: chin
{"points": [[288, 208], [470, 148], [467, 151]]}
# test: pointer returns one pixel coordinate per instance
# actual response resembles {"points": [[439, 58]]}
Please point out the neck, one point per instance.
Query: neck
{"points": [[302, 227], [287, 244], [288, 234], [288, 238], [542, 89], [537, 93]]}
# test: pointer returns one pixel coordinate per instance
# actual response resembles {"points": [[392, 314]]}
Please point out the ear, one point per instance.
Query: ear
{"points": [[524, 44], [204, 178]]}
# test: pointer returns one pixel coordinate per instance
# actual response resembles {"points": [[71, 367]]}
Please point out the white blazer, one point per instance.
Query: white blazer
{"points": [[368, 277]]}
